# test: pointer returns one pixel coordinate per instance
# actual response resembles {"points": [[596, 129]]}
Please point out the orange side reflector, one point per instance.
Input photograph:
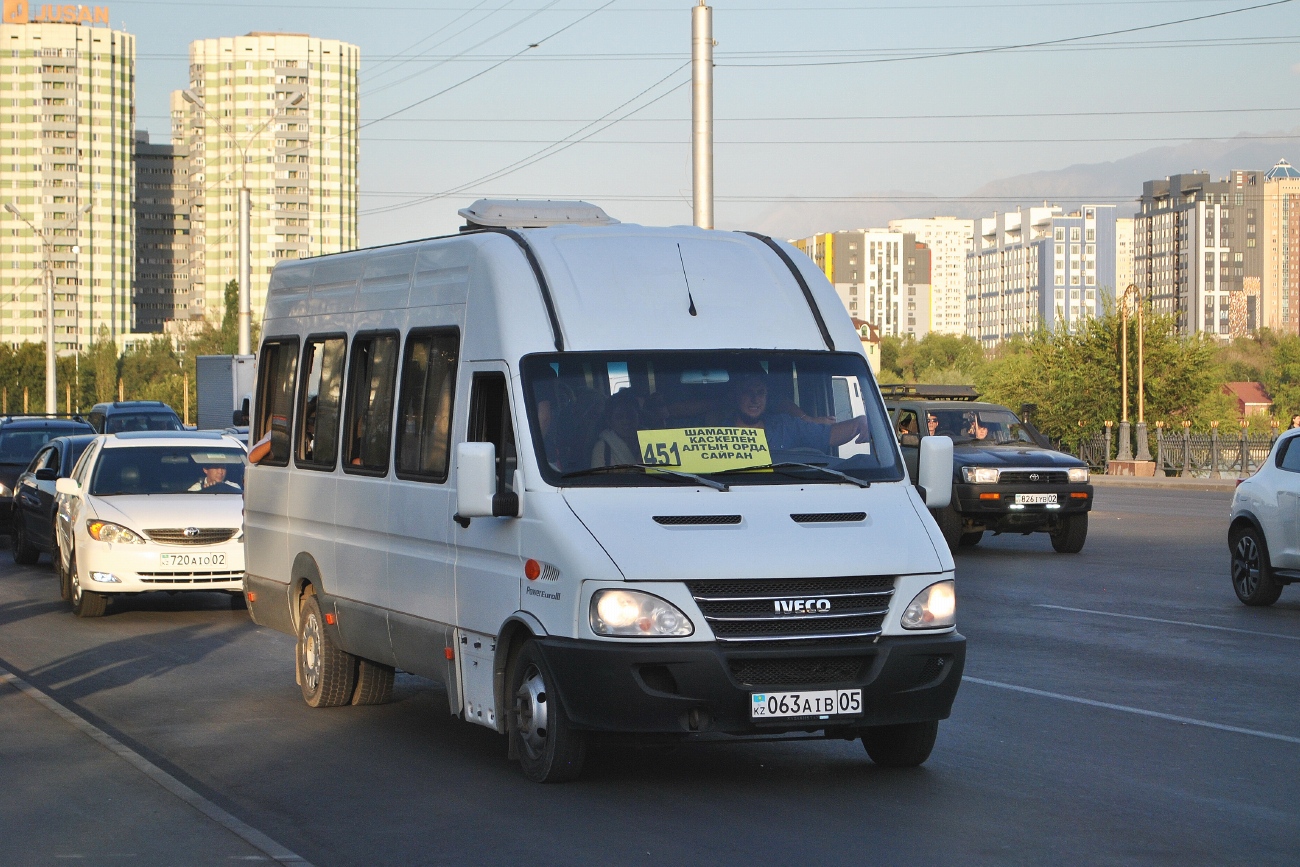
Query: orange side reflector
{"points": [[990, 496], [1078, 495], [532, 570], [252, 597], [330, 619], [449, 652]]}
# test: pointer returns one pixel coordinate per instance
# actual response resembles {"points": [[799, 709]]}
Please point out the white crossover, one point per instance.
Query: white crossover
{"points": [[152, 511], [1264, 533]]}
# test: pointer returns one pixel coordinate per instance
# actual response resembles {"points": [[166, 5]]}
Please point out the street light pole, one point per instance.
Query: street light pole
{"points": [[702, 113]]}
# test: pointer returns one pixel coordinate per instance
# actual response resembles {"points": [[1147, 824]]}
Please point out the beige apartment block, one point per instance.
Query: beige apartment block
{"points": [[1281, 278], [66, 127], [1123, 254], [280, 113], [949, 240]]}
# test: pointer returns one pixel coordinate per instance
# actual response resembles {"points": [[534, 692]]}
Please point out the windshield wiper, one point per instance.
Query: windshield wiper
{"points": [[785, 465], [676, 474]]}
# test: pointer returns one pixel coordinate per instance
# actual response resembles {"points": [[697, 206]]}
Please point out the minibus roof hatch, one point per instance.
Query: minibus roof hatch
{"points": [[532, 214]]}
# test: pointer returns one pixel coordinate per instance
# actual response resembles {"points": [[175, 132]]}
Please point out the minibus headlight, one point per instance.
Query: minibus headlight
{"points": [[1078, 474], [935, 607], [632, 614], [979, 475], [103, 531]]}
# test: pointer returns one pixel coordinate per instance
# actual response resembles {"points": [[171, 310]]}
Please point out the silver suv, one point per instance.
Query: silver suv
{"points": [[1264, 534]]}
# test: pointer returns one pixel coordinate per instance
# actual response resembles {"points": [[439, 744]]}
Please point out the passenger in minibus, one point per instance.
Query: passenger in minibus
{"points": [[617, 442], [784, 431]]}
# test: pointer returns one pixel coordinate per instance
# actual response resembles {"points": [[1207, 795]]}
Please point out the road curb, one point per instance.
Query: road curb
{"points": [[1166, 483]]}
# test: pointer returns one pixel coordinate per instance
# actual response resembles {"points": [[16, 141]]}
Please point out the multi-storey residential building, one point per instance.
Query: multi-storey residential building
{"points": [[66, 126], [162, 235], [1123, 254], [1039, 268], [949, 240], [1196, 253], [278, 112], [869, 271], [1281, 233]]}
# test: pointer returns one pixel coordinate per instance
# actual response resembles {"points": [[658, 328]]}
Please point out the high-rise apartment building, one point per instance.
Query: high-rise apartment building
{"points": [[949, 240], [66, 127], [162, 235], [1281, 234], [869, 270], [1039, 268], [278, 112], [1196, 251], [1123, 254]]}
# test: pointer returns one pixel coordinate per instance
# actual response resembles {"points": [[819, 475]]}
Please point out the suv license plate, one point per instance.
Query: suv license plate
{"points": [[1034, 499], [821, 703]]}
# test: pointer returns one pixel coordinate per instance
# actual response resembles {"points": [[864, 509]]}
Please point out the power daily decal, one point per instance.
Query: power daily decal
{"points": [[705, 449]]}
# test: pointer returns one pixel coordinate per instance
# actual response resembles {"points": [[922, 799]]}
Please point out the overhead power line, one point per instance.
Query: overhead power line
{"points": [[675, 10], [906, 141]]}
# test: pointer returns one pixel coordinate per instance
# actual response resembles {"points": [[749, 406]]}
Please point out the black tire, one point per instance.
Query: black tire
{"points": [[1071, 535], [374, 683], [328, 674], [901, 746], [970, 540], [25, 553], [85, 603], [65, 587], [549, 749], [1252, 572], [949, 521]]}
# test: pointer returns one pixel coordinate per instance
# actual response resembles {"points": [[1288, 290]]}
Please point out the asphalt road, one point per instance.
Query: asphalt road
{"points": [[1120, 707]]}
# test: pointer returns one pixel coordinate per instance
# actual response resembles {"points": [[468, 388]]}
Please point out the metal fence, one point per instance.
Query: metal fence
{"points": [[1212, 455]]}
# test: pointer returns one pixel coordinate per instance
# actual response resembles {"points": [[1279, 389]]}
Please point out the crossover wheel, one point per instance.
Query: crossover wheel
{"points": [[1252, 574], [549, 749], [901, 746], [24, 552], [1069, 538], [85, 603], [327, 672]]}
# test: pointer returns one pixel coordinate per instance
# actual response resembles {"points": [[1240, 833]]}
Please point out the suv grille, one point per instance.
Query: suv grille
{"points": [[803, 672], [794, 609], [206, 536], [1023, 477]]}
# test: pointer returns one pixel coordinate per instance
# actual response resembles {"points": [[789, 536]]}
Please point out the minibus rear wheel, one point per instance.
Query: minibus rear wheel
{"points": [[549, 749], [328, 673], [901, 746]]}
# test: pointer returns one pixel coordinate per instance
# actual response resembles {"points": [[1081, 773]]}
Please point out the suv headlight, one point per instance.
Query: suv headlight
{"points": [[979, 475], [1078, 474], [935, 607], [104, 531], [632, 614]]}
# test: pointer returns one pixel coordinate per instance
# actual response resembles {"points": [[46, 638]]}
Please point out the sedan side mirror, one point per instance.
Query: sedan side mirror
{"points": [[47, 474], [934, 473], [69, 486]]}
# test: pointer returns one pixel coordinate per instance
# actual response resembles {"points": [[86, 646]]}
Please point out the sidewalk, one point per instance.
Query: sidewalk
{"points": [[1226, 485]]}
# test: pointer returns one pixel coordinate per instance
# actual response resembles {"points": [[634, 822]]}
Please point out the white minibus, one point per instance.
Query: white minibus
{"points": [[596, 478]]}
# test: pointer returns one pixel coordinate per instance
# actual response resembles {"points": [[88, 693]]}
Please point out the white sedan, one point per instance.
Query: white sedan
{"points": [[1264, 532], [152, 511]]}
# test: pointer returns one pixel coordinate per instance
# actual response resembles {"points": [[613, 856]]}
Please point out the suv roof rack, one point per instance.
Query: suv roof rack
{"points": [[930, 392], [16, 416]]}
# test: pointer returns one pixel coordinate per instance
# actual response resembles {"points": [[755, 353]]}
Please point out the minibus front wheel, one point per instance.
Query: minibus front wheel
{"points": [[549, 749], [901, 746]]}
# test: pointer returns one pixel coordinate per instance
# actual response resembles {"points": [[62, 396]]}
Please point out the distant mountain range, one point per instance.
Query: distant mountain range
{"points": [[1068, 187]]}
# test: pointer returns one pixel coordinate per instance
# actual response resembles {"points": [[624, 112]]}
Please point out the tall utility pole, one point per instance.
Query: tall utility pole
{"points": [[702, 113], [1132, 295]]}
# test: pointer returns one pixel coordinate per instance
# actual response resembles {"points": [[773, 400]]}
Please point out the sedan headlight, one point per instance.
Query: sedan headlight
{"points": [[632, 614], [1078, 474], [979, 475], [104, 531], [935, 607]]}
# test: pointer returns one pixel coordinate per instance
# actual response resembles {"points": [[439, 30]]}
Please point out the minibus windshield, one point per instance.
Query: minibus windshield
{"points": [[740, 416]]}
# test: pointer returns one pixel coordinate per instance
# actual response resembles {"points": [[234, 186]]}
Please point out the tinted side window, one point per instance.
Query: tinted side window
{"points": [[1289, 459], [40, 461], [317, 445], [79, 471], [428, 384], [96, 420], [489, 422], [371, 376], [275, 380]]}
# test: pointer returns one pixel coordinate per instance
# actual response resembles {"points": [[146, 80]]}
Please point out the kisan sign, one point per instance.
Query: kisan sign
{"points": [[19, 12]]}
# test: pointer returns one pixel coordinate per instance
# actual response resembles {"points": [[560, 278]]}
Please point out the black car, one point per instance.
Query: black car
{"points": [[32, 525], [133, 415], [1006, 476], [21, 437]]}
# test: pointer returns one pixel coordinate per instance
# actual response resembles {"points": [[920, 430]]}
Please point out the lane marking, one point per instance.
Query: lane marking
{"points": [[1133, 710], [244, 831], [1172, 622]]}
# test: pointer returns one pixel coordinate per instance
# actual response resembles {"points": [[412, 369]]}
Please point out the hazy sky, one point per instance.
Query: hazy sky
{"points": [[799, 129]]}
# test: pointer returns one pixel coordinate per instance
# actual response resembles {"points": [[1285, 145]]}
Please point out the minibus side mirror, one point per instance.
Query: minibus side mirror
{"points": [[67, 485], [476, 485], [934, 473]]}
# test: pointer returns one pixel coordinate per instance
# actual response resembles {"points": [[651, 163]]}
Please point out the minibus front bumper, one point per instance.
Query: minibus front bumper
{"points": [[684, 688]]}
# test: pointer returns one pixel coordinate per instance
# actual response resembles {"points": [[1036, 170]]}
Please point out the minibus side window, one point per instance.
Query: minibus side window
{"points": [[316, 445], [424, 418], [275, 374], [371, 376], [489, 422]]}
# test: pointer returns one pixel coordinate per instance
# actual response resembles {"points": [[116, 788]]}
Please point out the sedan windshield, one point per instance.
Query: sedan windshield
{"points": [[760, 417], [168, 470], [988, 426]]}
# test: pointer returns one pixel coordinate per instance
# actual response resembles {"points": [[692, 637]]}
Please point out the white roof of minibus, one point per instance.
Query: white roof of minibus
{"points": [[623, 287]]}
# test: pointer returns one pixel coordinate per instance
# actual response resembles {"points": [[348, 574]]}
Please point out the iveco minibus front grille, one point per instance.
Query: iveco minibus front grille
{"points": [[802, 672], [192, 535], [794, 609]]}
